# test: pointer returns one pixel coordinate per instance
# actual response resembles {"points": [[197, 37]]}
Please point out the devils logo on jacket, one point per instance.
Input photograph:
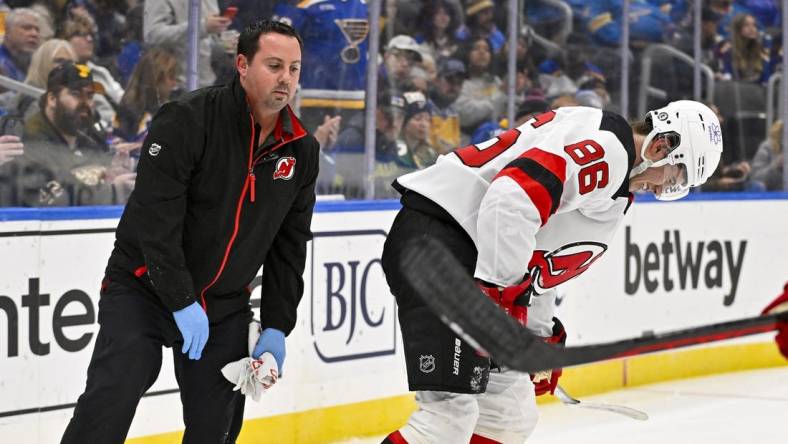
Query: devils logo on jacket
{"points": [[556, 267], [285, 168]]}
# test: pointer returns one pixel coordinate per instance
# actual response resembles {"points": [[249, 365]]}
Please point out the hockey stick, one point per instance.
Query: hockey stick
{"points": [[451, 293], [567, 399]]}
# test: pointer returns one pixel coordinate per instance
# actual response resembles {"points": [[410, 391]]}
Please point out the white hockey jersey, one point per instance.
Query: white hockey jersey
{"points": [[544, 197]]}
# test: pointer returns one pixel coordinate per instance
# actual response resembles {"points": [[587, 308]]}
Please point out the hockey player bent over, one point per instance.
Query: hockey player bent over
{"points": [[547, 195]]}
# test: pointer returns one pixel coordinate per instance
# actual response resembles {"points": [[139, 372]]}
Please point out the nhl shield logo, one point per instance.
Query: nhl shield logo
{"points": [[285, 168], [426, 363]]}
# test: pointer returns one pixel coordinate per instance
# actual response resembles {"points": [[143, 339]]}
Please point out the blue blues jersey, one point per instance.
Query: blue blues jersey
{"points": [[335, 34]]}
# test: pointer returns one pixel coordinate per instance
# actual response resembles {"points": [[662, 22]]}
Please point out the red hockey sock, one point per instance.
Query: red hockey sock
{"points": [[479, 439], [394, 437]]}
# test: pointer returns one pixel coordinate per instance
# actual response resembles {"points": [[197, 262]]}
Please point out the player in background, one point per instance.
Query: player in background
{"points": [[525, 212], [225, 185]]}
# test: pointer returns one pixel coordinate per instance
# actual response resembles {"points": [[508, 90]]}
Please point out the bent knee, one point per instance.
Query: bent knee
{"points": [[441, 417]]}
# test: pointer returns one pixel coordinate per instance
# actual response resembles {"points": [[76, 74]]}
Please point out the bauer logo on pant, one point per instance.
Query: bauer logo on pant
{"points": [[285, 168], [426, 363]]}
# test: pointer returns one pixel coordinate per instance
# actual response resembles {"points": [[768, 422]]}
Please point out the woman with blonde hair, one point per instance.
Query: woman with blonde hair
{"points": [[767, 164], [51, 53]]}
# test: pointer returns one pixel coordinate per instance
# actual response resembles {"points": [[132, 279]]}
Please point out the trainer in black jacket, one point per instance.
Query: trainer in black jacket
{"points": [[225, 186], [201, 221]]}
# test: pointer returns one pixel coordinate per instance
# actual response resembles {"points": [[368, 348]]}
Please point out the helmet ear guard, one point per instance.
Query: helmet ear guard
{"points": [[699, 145]]}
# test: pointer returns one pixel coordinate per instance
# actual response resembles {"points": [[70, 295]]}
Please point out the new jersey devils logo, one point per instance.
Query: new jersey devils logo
{"points": [[556, 267], [285, 168]]}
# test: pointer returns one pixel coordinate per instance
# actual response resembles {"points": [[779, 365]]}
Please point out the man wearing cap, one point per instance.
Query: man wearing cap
{"points": [[416, 130], [66, 161], [443, 93], [402, 52]]}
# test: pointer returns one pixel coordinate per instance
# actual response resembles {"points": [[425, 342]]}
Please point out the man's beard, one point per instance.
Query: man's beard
{"points": [[70, 122]]}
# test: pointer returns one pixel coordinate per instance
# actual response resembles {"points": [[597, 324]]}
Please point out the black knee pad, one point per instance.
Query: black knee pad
{"points": [[437, 359]]}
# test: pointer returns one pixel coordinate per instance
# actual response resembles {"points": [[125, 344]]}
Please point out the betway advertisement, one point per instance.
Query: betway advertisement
{"points": [[670, 266]]}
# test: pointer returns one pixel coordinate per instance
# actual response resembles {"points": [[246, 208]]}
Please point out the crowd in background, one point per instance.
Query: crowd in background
{"points": [[98, 70]]}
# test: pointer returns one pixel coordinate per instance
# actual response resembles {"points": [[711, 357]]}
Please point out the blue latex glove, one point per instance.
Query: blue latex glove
{"points": [[271, 341], [193, 324]]}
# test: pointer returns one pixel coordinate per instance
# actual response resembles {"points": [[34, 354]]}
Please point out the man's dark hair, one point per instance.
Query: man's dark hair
{"points": [[248, 41]]}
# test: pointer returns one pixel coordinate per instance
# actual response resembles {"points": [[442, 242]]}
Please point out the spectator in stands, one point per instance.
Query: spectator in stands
{"points": [[533, 104], [48, 15], [709, 33], [564, 100], [767, 165], [524, 60], [724, 8], [592, 88], [131, 44], [480, 23], [50, 54], [416, 128], [10, 148], [166, 24], [111, 21], [747, 55], [21, 39], [327, 132], [481, 98], [443, 93], [151, 83], [419, 79], [389, 117], [438, 22], [730, 175], [80, 31], [554, 81], [348, 153], [66, 161], [710, 38], [402, 53]]}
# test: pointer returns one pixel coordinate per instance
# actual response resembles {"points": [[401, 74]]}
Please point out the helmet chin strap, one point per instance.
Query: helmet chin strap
{"points": [[646, 163], [643, 166]]}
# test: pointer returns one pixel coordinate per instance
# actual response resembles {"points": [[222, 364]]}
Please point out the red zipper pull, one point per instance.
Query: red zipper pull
{"points": [[251, 176]]}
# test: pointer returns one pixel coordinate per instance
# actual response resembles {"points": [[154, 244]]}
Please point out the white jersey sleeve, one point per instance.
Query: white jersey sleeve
{"points": [[503, 191]]}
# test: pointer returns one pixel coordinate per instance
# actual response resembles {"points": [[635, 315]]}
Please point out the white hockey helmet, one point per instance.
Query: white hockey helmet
{"points": [[695, 138]]}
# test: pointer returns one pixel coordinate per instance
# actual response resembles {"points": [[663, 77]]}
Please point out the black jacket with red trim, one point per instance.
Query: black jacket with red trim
{"points": [[210, 208]]}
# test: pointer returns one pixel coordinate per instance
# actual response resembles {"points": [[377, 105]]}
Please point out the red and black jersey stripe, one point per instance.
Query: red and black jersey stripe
{"points": [[541, 175]]}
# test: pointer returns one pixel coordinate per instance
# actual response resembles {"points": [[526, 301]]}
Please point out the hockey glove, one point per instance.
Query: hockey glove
{"points": [[545, 381], [780, 305], [514, 299], [271, 341], [193, 324]]}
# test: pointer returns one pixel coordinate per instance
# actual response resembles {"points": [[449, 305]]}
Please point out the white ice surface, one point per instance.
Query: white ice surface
{"points": [[744, 407]]}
